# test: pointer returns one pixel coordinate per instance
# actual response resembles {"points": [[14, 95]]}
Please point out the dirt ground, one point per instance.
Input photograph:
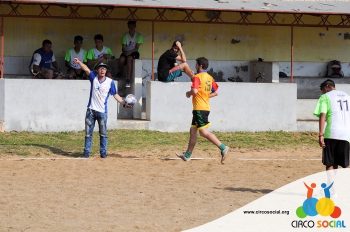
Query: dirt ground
{"points": [[128, 192]]}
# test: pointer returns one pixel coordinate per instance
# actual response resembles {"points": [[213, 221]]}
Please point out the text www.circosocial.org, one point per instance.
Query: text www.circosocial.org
{"points": [[271, 212]]}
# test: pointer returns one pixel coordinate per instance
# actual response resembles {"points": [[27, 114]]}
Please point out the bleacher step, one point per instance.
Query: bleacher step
{"points": [[132, 124]]}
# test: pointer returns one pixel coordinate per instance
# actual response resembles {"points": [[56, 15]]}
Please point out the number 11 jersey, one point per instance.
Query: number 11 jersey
{"points": [[336, 105]]}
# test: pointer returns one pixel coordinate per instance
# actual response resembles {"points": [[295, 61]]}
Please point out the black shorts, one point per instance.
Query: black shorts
{"points": [[134, 55], [336, 152], [200, 119]]}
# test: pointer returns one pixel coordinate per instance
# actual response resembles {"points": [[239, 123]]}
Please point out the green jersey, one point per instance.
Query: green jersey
{"points": [[130, 42], [336, 105], [94, 54], [71, 54]]}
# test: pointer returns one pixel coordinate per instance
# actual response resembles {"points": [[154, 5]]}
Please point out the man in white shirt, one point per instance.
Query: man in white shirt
{"points": [[101, 88]]}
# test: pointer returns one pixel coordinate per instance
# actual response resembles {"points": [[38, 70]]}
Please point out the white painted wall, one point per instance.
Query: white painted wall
{"points": [[2, 104], [48, 105], [239, 107]]}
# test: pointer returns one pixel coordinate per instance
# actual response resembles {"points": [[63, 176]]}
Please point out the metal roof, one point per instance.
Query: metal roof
{"points": [[281, 6]]}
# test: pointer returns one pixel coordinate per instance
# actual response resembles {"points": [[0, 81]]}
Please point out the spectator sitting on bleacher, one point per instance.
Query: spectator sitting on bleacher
{"points": [[131, 42], [74, 70], [98, 54], [43, 64], [334, 69]]}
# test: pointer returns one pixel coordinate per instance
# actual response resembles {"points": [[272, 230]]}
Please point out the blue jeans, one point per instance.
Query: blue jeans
{"points": [[90, 118]]}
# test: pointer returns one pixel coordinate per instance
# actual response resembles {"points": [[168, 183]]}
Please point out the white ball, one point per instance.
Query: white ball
{"points": [[130, 99]]}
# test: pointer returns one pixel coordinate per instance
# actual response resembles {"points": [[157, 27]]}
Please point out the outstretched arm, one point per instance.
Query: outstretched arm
{"points": [[121, 101], [83, 66]]}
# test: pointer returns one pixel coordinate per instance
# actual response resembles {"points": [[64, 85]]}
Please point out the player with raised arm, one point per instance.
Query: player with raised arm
{"points": [[203, 88], [168, 68], [101, 87]]}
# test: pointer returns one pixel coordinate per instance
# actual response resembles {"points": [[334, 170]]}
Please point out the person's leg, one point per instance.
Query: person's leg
{"points": [[191, 144], [102, 123], [89, 129], [129, 69], [328, 154], [209, 136], [122, 60], [71, 73], [173, 73], [213, 139], [79, 74], [186, 68], [46, 73], [332, 167], [203, 124]]}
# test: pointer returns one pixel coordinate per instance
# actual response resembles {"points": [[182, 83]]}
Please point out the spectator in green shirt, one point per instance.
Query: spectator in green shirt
{"points": [[74, 69]]}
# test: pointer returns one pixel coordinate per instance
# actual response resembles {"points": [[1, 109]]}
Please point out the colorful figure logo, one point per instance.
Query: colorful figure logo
{"points": [[323, 206]]}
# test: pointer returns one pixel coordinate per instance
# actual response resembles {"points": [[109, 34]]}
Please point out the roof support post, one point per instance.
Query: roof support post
{"points": [[2, 47], [291, 54], [152, 50]]}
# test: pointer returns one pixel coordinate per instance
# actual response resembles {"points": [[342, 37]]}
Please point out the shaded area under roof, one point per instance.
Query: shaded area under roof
{"points": [[287, 6]]}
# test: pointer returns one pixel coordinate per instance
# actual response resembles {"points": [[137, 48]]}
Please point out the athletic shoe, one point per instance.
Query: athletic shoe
{"points": [[183, 157], [224, 154], [127, 84]]}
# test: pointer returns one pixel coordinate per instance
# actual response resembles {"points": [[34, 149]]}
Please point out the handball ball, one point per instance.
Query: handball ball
{"points": [[130, 99]]}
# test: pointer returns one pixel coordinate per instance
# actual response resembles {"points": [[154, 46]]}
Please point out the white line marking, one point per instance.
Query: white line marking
{"points": [[268, 159], [195, 158], [140, 158]]}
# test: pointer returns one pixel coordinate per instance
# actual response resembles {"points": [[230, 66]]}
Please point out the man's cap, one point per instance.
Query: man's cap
{"points": [[101, 65]]}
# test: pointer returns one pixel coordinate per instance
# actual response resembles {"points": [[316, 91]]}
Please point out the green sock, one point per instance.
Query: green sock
{"points": [[188, 154], [222, 147]]}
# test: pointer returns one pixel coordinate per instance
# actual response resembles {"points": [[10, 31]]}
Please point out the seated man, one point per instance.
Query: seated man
{"points": [[131, 42], [334, 69], [43, 64], [168, 69], [98, 54], [74, 69]]}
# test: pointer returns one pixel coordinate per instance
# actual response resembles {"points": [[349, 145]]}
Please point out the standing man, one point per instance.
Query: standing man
{"points": [[43, 64], [334, 125], [168, 69], [131, 42], [101, 87], [74, 70], [203, 88]]}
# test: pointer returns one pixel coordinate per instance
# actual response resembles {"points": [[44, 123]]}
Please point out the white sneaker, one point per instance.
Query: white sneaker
{"points": [[224, 154], [183, 157]]}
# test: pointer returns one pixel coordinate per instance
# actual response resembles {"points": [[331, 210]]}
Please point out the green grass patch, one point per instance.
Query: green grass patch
{"points": [[71, 143]]}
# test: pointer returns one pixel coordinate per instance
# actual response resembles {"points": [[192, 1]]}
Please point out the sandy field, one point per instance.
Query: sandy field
{"points": [[136, 192]]}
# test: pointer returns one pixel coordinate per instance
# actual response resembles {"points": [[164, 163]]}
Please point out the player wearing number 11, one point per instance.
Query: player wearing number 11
{"points": [[333, 110]]}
